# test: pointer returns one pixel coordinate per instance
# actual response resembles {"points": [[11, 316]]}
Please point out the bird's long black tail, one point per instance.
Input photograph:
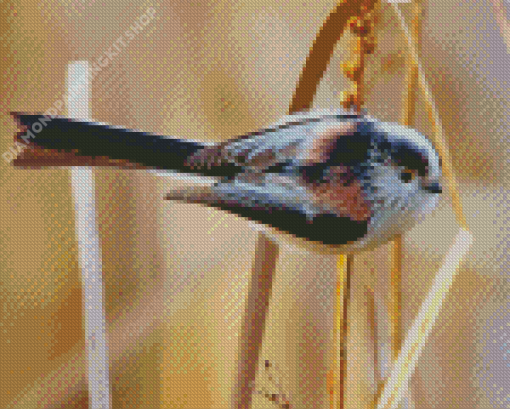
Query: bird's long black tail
{"points": [[62, 136]]}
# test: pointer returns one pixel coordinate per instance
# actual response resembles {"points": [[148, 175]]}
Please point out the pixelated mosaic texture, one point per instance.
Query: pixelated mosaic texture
{"points": [[175, 275]]}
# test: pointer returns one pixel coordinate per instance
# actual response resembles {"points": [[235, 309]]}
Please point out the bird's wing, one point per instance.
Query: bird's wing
{"points": [[286, 204], [306, 138]]}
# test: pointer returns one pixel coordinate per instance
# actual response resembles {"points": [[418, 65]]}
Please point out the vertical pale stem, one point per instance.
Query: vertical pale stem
{"points": [[373, 328], [391, 392], [409, 111], [314, 69], [338, 374], [344, 333], [254, 319], [435, 121], [408, 116], [396, 298], [89, 257], [334, 373]]}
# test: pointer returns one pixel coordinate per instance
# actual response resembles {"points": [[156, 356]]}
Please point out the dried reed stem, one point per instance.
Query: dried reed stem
{"points": [[253, 325], [408, 116], [312, 73], [435, 121], [373, 327], [362, 25], [396, 297], [336, 381], [394, 388], [397, 384], [322, 49]]}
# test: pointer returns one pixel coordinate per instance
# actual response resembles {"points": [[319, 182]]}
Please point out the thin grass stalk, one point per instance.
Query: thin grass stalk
{"points": [[396, 297], [344, 334], [322, 50], [253, 325], [408, 118], [396, 386], [312, 73], [408, 115], [68, 378], [373, 328], [363, 26], [435, 122], [336, 382], [390, 393]]}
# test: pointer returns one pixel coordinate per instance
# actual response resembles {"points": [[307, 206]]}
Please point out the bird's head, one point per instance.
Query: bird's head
{"points": [[402, 178]]}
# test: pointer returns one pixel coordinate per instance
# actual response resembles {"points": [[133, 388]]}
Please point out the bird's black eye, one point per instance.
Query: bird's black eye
{"points": [[407, 175]]}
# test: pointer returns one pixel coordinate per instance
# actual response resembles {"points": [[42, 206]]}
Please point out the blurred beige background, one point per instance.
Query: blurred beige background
{"points": [[176, 275]]}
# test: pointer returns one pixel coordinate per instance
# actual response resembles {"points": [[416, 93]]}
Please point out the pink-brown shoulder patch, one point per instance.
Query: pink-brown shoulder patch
{"points": [[347, 200], [322, 143]]}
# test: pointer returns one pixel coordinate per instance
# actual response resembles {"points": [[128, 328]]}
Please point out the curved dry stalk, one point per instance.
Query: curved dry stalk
{"points": [[390, 393], [322, 49], [313, 71], [408, 116], [435, 121], [362, 26]]}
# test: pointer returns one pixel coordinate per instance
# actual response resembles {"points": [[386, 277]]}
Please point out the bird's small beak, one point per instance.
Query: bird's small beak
{"points": [[433, 187]]}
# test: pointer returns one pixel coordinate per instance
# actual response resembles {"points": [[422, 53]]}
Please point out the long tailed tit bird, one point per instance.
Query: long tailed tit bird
{"points": [[332, 181]]}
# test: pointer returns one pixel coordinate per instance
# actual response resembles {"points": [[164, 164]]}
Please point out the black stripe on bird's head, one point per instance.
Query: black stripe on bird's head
{"points": [[407, 148]]}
